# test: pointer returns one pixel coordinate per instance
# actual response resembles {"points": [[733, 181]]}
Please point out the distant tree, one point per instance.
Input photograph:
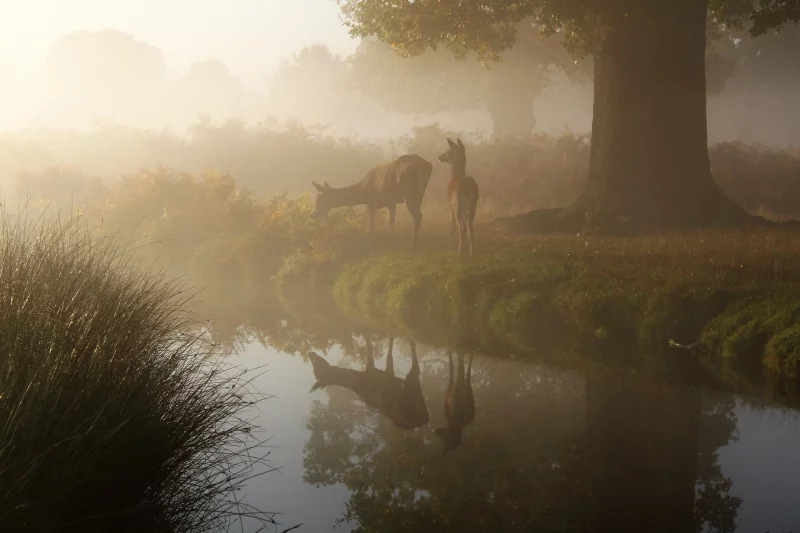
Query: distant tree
{"points": [[209, 88], [315, 86], [649, 166], [762, 96], [435, 81], [103, 73]]}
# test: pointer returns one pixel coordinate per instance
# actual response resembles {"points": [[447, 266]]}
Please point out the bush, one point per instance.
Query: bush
{"points": [[515, 176], [112, 416]]}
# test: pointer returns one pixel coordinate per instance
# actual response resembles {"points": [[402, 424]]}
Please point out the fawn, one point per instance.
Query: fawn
{"points": [[462, 195], [459, 403]]}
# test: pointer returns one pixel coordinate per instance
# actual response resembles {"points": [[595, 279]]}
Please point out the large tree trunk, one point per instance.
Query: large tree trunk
{"points": [[649, 164], [641, 454]]}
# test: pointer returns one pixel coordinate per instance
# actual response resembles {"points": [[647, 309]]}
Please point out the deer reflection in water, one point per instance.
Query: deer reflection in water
{"points": [[459, 403], [400, 400]]}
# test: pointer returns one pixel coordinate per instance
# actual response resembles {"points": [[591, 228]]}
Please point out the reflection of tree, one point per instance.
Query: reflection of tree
{"points": [[641, 454], [400, 481], [544, 454], [714, 507], [243, 314]]}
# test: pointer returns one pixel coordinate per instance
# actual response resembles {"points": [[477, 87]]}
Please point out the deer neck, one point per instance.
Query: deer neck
{"points": [[458, 172], [348, 196]]}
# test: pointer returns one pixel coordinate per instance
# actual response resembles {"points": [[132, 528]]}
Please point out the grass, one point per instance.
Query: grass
{"points": [[112, 418], [732, 297]]}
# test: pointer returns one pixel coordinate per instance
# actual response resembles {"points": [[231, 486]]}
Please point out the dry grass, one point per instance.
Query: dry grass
{"points": [[111, 416]]}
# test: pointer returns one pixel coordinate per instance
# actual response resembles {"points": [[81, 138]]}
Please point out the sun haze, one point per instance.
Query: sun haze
{"points": [[249, 36]]}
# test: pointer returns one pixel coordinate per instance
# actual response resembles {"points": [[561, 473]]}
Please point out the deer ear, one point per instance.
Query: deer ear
{"points": [[325, 184], [451, 143], [318, 186], [460, 144]]}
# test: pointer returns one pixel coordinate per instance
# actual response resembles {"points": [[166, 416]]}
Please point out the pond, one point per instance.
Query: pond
{"points": [[547, 449]]}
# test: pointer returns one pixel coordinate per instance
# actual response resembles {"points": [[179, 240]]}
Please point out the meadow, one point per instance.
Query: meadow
{"points": [[240, 227]]}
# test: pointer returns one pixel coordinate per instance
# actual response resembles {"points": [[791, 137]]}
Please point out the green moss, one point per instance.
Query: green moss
{"points": [[753, 332], [681, 311], [782, 353], [537, 297]]}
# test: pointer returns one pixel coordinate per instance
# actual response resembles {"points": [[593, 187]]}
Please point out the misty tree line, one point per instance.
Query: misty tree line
{"points": [[753, 85]]}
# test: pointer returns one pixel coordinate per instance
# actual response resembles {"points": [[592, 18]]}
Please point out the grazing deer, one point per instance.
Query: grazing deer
{"points": [[403, 180], [462, 194], [400, 400], [459, 403]]}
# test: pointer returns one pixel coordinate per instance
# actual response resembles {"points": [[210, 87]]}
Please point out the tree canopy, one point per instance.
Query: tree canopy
{"points": [[435, 82], [488, 28]]}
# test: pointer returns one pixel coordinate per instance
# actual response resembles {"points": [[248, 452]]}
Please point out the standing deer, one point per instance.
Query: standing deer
{"points": [[462, 194], [459, 403], [403, 180], [400, 400]]}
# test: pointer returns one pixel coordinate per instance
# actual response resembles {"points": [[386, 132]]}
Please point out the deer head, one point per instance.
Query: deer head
{"points": [[323, 202], [456, 155]]}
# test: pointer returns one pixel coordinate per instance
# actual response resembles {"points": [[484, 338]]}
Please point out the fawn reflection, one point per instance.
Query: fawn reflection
{"points": [[400, 400], [459, 402]]}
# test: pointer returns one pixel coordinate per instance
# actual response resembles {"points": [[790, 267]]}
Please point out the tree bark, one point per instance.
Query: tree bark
{"points": [[649, 163], [641, 455]]}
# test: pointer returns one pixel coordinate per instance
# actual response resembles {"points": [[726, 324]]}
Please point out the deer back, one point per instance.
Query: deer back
{"points": [[400, 400]]}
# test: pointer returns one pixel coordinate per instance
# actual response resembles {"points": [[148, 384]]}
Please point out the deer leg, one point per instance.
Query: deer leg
{"points": [[471, 221], [452, 228], [370, 357], [450, 376], [390, 358], [460, 373], [460, 222], [414, 360], [392, 211], [469, 370], [469, 235], [416, 214]]}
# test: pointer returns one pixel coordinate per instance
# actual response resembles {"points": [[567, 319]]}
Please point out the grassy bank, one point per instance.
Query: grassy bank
{"points": [[729, 300], [111, 416]]}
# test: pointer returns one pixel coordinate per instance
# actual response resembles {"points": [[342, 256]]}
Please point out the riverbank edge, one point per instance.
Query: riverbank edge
{"points": [[747, 334]]}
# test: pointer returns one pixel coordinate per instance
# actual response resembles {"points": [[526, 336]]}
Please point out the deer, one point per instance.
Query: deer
{"points": [[403, 180], [399, 400], [459, 403], [462, 195]]}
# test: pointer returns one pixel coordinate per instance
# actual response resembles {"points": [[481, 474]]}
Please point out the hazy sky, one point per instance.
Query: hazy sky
{"points": [[250, 36]]}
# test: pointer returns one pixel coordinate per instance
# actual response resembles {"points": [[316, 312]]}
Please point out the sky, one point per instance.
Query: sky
{"points": [[249, 36]]}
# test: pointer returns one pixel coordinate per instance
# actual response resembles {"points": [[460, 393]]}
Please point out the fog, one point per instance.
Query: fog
{"points": [[91, 91], [88, 78]]}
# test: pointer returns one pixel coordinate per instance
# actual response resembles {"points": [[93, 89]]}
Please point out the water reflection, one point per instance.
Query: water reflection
{"points": [[548, 450], [400, 400], [459, 403]]}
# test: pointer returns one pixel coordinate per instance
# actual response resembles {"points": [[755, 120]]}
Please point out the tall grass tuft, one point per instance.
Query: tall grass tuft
{"points": [[112, 417]]}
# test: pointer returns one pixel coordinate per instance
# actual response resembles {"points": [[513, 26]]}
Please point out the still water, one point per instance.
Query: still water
{"points": [[545, 450]]}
